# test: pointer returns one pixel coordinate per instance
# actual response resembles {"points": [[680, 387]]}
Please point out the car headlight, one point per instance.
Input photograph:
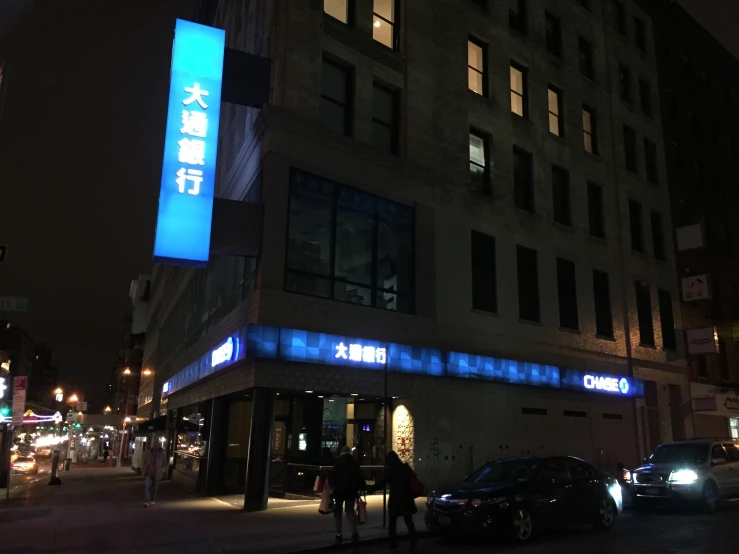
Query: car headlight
{"points": [[683, 477], [476, 502], [627, 475]]}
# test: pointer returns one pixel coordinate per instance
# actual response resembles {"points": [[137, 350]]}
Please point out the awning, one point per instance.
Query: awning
{"points": [[157, 424]]}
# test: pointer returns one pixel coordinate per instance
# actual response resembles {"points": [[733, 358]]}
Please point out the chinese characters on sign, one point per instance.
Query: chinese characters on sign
{"points": [[190, 146], [359, 353]]}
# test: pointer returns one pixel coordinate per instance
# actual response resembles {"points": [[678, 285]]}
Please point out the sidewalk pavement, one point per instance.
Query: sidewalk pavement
{"points": [[101, 510]]}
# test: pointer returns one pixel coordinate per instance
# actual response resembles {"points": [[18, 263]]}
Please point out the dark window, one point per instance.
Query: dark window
{"points": [[624, 83], [650, 161], [620, 12], [635, 225], [479, 173], [534, 411], [702, 369], [556, 113], [589, 130], [519, 90], [517, 15], [528, 284], [595, 211], [385, 119], [645, 97], [484, 293], [476, 74], [575, 413], [585, 50], [523, 183], [579, 470], [335, 97], [602, 301], [552, 471], [667, 320], [630, 149], [584, 3], [723, 359], [658, 235], [644, 313], [567, 294], [561, 196], [640, 34], [733, 451], [554, 34], [612, 416], [718, 453], [348, 245]]}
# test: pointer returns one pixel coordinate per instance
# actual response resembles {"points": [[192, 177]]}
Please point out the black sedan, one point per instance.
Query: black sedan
{"points": [[519, 496]]}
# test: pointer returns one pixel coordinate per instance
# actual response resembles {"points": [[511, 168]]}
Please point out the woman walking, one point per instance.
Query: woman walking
{"points": [[402, 503]]}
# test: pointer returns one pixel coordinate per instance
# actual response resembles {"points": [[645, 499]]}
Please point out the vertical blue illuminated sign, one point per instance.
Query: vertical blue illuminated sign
{"points": [[190, 146]]}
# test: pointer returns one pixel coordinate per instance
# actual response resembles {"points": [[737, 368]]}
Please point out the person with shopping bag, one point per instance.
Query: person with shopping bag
{"points": [[404, 488], [346, 482]]}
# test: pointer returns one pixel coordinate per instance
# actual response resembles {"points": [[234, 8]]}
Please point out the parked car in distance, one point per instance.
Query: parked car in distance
{"points": [[25, 464], [44, 451], [697, 471], [519, 496]]}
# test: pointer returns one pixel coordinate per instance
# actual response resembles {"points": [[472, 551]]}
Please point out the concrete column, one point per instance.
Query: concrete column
{"points": [[260, 446], [216, 446]]}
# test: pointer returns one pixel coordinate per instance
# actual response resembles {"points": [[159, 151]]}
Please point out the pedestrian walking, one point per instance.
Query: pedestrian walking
{"points": [[346, 481], [153, 469], [402, 502], [105, 455]]}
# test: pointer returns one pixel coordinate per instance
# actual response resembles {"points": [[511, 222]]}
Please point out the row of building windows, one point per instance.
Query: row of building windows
{"points": [[384, 18], [485, 295]]}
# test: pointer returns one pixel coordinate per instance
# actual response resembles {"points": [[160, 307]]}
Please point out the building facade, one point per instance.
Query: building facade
{"points": [[464, 248], [700, 113]]}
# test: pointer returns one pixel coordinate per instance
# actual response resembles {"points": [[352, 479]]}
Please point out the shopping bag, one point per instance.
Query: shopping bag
{"points": [[417, 486], [361, 510], [327, 503], [319, 484]]}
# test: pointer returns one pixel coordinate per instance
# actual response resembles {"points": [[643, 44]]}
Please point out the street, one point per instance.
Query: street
{"points": [[101, 510], [20, 480]]}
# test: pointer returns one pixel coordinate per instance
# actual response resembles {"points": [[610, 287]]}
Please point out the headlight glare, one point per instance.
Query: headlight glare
{"points": [[683, 477]]}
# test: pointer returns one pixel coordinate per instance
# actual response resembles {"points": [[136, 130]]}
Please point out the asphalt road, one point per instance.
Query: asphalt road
{"points": [[655, 531], [18, 480]]}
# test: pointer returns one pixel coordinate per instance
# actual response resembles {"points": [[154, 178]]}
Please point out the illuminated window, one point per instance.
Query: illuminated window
{"points": [[476, 67], [588, 130], [518, 90], [554, 99], [338, 9], [479, 174], [383, 22], [734, 428]]}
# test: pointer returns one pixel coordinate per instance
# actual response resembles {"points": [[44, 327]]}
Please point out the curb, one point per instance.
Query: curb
{"points": [[420, 535]]}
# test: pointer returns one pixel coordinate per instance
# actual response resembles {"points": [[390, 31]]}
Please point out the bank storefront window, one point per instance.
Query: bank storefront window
{"points": [[734, 427], [349, 245], [192, 439]]}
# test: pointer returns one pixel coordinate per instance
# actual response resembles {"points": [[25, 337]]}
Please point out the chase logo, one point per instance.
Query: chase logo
{"points": [[623, 385]]}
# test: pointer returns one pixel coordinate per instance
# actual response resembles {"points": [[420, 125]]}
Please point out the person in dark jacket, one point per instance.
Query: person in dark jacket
{"points": [[346, 481], [402, 501]]}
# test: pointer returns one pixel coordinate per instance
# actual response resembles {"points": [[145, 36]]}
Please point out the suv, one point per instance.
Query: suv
{"points": [[699, 471]]}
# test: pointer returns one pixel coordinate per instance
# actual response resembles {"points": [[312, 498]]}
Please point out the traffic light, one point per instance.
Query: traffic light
{"points": [[5, 410]]}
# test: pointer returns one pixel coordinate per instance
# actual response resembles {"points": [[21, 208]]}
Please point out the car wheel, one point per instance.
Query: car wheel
{"points": [[606, 515], [522, 524], [710, 497]]}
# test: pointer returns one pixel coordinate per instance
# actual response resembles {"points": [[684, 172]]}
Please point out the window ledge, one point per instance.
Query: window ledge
{"points": [[564, 226], [605, 337], [648, 346], [601, 240], [525, 212], [568, 330], [517, 117], [485, 313], [531, 322]]}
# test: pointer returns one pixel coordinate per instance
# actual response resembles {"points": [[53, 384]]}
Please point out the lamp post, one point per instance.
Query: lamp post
{"points": [[123, 436]]}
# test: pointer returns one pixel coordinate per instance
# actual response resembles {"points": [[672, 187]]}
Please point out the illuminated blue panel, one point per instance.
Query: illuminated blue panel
{"points": [[262, 341], [498, 369], [414, 359], [603, 383], [190, 146], [308, 346]]}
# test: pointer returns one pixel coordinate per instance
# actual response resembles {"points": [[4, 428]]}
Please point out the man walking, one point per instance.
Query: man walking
{"points": [[346, 481], [153, 468]]}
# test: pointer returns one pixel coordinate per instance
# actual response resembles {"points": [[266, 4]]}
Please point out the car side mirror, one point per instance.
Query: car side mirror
{"points": [[718, 461]]}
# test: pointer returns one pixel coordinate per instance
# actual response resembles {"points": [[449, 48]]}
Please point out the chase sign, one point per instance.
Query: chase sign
{"points": [[615, 385]]}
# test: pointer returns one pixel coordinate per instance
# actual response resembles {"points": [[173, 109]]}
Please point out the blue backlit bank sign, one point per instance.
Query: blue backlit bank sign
{"points": [[226, 352], [616, 385], [190, 146]]}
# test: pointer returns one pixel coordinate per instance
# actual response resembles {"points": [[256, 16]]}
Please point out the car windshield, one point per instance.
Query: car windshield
{"points": [[506, 471], [680, 454]]}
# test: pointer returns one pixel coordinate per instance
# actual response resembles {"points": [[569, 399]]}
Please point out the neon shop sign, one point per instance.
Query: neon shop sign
{"points": [[609, 384]]}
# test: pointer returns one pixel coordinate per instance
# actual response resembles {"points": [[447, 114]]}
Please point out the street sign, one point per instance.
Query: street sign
{"points": [[13, 304], [3, 252], [20, 384]]}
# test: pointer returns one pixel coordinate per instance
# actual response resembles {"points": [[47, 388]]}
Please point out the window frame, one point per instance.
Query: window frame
{"points": [[667, 320], [395, 126], [625, 91], [349, 13], [620, 17], [527, 201], [593, 187], [517, 20], [524, 94], [565, 205], [659, 246], [560, 110], [645, 97], [393, 25], [644, 313], [530, 280], [650, 161], [592, 133], [569, 316], [348, 72], [605, 311], [553, 44], [486, 185], [482, 72], [373, 286], [640, 34], [585, 58], [636, 226], [631, 162], [476, 273]]}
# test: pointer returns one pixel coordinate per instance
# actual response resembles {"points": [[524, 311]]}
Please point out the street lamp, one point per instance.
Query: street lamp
{"points": [[123, 437], [147, 372], [107, 409], [59, 394], [127, 371], [73, 399]]}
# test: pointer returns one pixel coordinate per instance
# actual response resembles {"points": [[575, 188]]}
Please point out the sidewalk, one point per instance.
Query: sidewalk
{"points": [[101, 510]]}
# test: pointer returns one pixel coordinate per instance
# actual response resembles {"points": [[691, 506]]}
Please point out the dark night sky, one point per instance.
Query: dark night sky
{"points": [[80, 147]]}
